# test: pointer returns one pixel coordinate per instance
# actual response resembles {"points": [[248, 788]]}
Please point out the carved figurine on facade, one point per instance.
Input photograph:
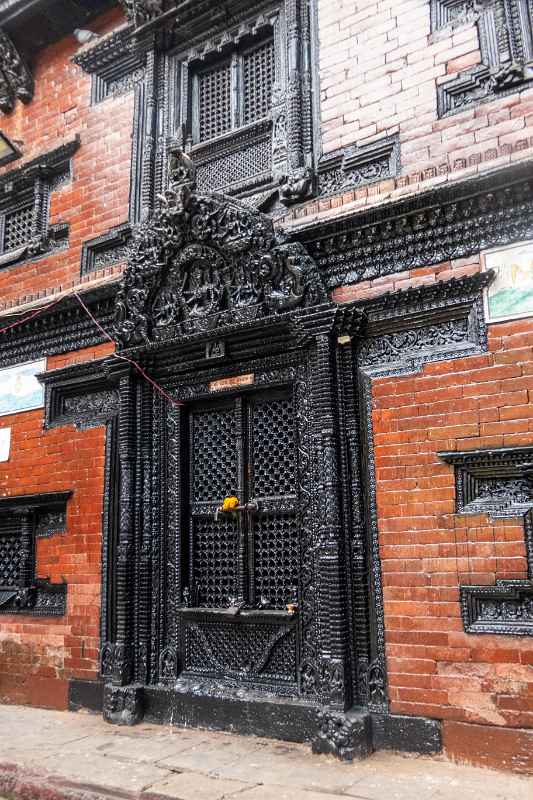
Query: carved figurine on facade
{"points": [[204, 261], [16, 80], [142, 11]]}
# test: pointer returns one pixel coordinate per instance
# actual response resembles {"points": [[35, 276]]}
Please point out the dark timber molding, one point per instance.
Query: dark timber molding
{"points": [[505, 608], [356, 166], [106, 250], [81, 395], [116, 65], [64, 328], [492, 482], [499, 483], [447, 222]]}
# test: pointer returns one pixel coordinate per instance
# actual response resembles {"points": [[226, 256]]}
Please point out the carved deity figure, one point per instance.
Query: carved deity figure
{"points": [[181, 167], [201, 292], [15, 77]]}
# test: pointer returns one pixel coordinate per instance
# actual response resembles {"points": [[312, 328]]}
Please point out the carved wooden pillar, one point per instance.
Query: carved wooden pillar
{"points": [[143, 503], [343, 732], [122, 670], [320, 327], [40, 214], [27, 557], [149, 134], [294, 89], [298, 181], [122, 698]]}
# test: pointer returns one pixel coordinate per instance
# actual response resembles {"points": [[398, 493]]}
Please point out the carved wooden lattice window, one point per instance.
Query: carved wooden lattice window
{"points": [[234, 92], [258, 80], [17, 226], [10, 554], [214, 102], [22, 521]]}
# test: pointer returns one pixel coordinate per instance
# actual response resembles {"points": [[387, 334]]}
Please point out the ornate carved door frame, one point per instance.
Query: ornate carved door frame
{"points": [[213, 291]]}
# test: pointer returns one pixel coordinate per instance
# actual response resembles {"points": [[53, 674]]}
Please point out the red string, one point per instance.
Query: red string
{"points": [[31, 316], [138, 367]]}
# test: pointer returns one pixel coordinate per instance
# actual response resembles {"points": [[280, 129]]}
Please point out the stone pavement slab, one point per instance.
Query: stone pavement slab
{"points": [[51, 755], [288, 765], [191, 786]]}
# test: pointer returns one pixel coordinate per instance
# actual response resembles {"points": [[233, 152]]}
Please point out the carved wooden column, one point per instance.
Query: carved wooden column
{"points": [[122, 702], [343, 733], [298, 181], [319, 327]]}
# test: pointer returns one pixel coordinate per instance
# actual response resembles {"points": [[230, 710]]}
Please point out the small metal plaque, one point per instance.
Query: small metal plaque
{"points": [[231, 383]]}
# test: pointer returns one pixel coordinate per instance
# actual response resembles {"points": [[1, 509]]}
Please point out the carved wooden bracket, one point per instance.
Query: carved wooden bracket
{"points": [[16, 81]]}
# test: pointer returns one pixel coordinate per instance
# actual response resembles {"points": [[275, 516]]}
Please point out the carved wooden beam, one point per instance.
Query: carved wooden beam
{"points": [[16, 80]]}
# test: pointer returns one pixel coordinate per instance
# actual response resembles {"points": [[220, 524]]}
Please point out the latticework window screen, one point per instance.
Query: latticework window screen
{"points": [[10, 552], [235, 92], [214, 101], [17, 228], [258, 79]]}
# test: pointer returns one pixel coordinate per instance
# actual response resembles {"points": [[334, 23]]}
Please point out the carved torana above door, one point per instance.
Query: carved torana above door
{"points": [[206, 261]]}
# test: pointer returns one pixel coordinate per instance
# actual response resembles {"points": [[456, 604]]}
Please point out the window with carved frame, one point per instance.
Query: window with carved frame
{"points": [[233, 91], [242, 101], [226, 91], [25, 228], [23, 520], [506, 43], [16, 225]]}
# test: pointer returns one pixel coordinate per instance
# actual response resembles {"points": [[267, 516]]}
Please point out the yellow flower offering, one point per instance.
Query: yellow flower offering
{"points": [[230, 503]]}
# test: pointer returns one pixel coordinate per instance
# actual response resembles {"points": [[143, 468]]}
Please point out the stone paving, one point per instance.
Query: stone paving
{"points": [[81, 751]]}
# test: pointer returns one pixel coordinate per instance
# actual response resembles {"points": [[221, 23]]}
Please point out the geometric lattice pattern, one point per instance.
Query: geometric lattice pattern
{"points": [[10, 558], [18, 228], [244, 163], [215, 560], [274, 448], [241, 650], [276, 558], [219, 548], [214, 454], [214, 102], [258, 79]]}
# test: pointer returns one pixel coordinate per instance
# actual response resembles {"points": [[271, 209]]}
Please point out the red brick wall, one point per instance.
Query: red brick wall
{"points": [[59, 111], [39, 655], [427, 551], [380, 65]]}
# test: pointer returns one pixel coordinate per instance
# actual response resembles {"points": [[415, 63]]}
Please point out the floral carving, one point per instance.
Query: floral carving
{"points": [[204, 261]]}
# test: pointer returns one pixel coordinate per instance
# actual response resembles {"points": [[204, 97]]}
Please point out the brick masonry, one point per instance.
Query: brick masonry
{"points": [[97, 196], [39, 656], [379, 67]]}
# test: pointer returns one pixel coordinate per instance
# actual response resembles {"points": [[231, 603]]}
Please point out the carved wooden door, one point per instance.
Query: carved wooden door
{"points": [[243, 566]]}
